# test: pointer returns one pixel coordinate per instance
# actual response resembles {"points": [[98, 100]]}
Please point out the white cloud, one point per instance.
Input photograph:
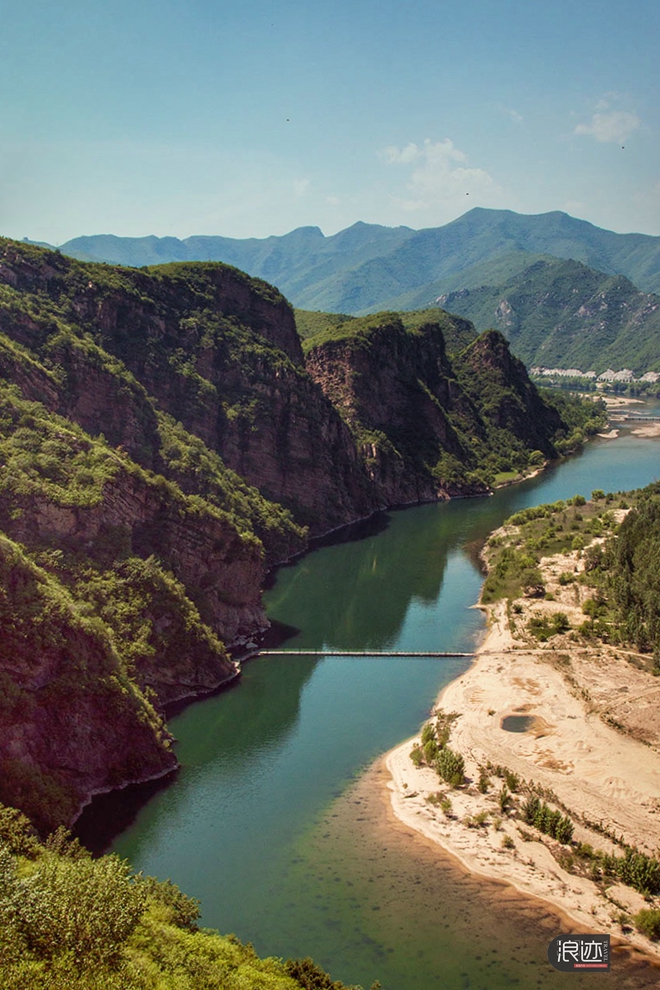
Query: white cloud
{"points": [[610, 126], [441, 177], [399, 156], [513, 115], [301, 187]]}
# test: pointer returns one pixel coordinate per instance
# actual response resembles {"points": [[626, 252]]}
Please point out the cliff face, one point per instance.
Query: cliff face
{"points": [[131, 305], [161, 445], [223, 571], [214, 349], [395, 389], [72, 722], [499, 385], [426, 426]]}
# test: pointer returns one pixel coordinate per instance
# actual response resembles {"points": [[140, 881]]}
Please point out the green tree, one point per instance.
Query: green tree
{"points": [[450, 766]]}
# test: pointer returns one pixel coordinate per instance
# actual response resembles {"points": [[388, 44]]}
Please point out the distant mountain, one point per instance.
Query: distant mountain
{"points": [[299, 260], [368, 267], [563, 314]]}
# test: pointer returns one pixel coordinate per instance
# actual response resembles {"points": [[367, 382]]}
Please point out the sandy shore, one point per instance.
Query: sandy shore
{"points": [[650, 430], [592, 742], [616, 401]]}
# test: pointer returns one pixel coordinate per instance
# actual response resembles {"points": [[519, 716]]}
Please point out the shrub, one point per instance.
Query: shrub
{"points": [[450, 766], [83, 906], [530, 809], [639, 871], [430, 751], [564, 831], [428, 733], [416, 755], [512, 780], [647, 921]]}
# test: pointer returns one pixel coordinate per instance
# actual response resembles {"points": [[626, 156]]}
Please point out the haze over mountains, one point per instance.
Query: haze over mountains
{"points": [[566, 293], [368, 267]]}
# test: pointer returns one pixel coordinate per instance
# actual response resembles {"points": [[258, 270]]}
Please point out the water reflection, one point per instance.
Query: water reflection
{"points": [[222, 739]]}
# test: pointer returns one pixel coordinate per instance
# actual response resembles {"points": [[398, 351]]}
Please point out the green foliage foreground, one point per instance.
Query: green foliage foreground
{"points": [[70, 922]]}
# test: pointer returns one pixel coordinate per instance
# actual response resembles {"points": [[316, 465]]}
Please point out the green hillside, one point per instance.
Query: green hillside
{"points": [[457, 333], [563, 314]]}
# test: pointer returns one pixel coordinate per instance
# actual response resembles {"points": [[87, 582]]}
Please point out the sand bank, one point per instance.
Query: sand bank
{"points": [[592, 742], [615, 401]]}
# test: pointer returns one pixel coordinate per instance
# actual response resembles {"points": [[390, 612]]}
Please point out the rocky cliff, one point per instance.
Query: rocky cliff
{"points": [[216, 350], [430, 427], [162, 443]]}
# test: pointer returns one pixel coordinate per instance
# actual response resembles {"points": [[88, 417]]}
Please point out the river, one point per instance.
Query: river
{"points": [[275, 821]]}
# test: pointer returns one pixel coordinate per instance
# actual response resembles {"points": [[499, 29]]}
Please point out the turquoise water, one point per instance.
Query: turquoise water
{"points": [[272, 821]]}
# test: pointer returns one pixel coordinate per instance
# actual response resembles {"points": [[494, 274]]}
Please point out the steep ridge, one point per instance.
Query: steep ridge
{"points": [[400, 419], [215, 349], [161, 445]]}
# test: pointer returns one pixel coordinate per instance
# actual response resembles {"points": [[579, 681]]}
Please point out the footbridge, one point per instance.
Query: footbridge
{"points": [[356, 653], [636, 418]]}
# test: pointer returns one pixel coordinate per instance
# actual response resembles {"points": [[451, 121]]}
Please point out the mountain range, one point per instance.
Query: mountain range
{"points": [[368, 267]]}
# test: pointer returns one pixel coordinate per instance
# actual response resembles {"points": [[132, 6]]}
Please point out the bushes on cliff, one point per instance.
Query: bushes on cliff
{"points": [[67, 682], [43, 454]]}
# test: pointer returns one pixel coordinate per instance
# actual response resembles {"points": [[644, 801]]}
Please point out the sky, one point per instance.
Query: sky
{"points": [[252, 118]]}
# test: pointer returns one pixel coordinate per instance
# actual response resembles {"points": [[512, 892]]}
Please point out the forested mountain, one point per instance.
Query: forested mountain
{"points": [[368, 267], [563, 314], [163, 443]]}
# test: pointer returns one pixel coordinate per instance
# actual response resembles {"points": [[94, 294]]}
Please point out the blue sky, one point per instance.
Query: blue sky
{"points": [[179, 117]]}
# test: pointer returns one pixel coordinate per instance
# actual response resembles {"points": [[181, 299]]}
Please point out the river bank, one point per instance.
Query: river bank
{"points": [[591, 745]]}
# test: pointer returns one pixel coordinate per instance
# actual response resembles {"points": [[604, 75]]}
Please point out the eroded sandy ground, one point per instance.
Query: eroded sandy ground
{"points": [[592, 741]]}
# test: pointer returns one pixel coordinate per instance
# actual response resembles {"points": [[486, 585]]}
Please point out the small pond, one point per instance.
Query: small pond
{"points": [[518, 723]]}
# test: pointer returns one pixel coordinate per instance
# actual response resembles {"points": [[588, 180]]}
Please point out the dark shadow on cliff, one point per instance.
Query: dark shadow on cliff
{"points": [[222, 734], [109, 814]]}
